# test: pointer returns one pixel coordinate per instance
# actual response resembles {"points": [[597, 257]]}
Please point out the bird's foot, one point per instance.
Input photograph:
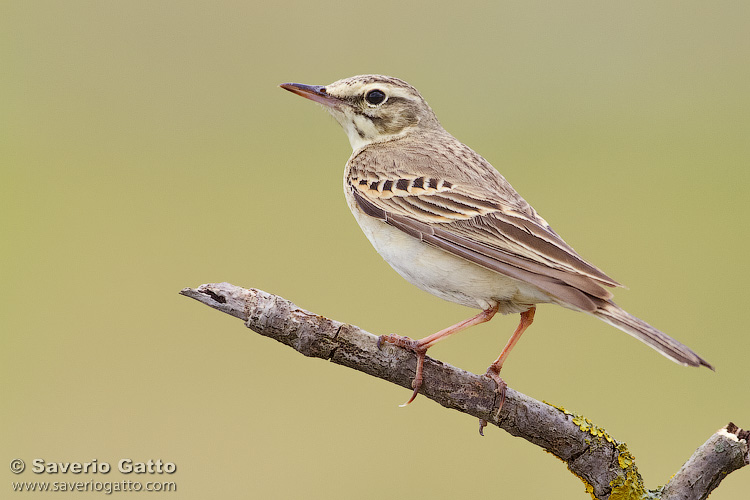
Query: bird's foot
{"points": [[500, 387], [398, 340], [416, 348]]}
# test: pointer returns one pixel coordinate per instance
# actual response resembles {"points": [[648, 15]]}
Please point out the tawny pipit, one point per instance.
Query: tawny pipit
{"points": [[449, 223]]}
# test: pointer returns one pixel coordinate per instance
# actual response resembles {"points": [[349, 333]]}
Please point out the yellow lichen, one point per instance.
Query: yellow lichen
{"points": [[586, 425], [624, 457], [628, 485]]}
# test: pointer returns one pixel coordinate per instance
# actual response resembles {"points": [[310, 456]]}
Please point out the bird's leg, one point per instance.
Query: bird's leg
{"points": [[419, 347], [493, 371]]}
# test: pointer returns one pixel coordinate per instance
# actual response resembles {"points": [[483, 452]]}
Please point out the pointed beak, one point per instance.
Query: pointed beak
{"points": [[315, 93]]}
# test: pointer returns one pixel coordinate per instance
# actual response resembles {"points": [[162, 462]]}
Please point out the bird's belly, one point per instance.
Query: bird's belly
{"points": [[445, 275]]}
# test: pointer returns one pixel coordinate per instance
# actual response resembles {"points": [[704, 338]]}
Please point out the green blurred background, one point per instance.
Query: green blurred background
{"points": [[145, 147]]}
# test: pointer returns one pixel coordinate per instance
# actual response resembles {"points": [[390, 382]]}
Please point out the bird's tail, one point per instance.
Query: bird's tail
{"points": [[611, 313]]}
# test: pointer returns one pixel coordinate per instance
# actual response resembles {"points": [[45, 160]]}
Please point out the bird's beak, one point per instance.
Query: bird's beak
{"points": [[315, 93]]}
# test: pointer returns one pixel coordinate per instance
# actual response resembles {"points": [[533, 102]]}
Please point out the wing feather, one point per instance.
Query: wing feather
{"points": [[511, 244]]}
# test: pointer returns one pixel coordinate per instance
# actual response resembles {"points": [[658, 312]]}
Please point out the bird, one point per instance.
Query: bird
{"points": [[448, 222]]}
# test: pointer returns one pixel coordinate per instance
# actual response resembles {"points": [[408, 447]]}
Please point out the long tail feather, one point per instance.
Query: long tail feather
{"points": [[611, 313]]}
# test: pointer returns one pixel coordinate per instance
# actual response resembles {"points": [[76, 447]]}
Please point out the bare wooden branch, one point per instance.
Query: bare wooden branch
{"points": [[724, 452], [602, 463]]}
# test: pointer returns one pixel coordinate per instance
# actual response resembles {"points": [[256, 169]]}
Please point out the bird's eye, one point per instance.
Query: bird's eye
{"points": [[375, 97]]}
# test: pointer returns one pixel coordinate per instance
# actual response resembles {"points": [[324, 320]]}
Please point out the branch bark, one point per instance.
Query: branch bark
{"points": [[602, 463]]}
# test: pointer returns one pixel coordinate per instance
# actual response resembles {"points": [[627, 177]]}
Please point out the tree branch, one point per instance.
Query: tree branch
{"points": [[602, 463]]}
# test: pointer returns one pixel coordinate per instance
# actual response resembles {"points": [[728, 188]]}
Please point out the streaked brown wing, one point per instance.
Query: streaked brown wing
{"points": [[443, 214]]}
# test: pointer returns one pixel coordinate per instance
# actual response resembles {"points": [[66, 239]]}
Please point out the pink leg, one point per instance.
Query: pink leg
{"points": [[420, 346], [494, 370]]}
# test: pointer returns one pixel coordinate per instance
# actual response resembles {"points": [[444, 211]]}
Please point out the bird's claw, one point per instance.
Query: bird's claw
{"points": [[398, 340], [482, 425], [413, 395], [500, 387], [411, 345]]}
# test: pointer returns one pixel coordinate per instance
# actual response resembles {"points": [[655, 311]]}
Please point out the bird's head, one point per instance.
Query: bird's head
{"points": [[371, 108]]}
